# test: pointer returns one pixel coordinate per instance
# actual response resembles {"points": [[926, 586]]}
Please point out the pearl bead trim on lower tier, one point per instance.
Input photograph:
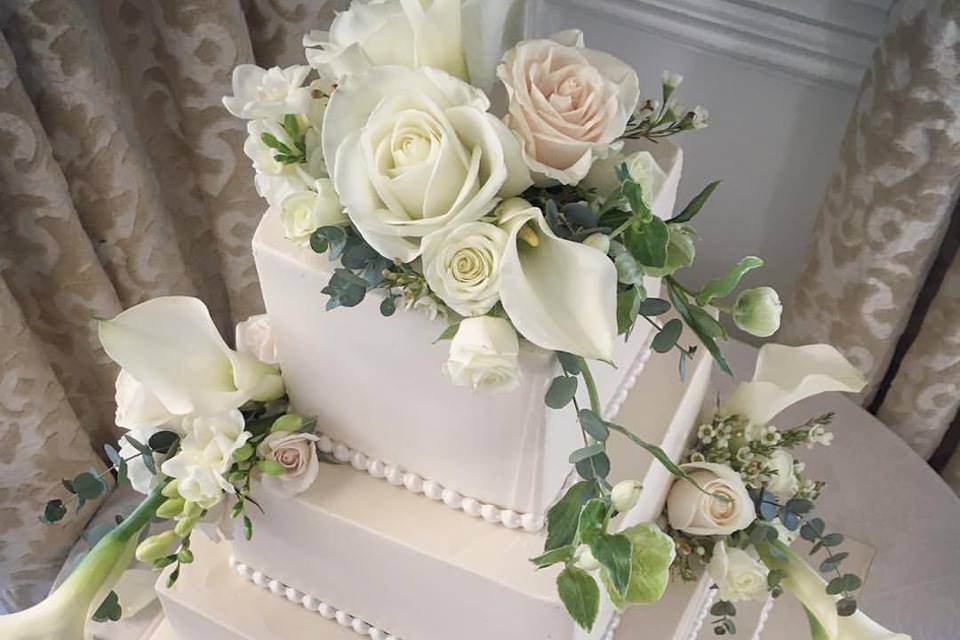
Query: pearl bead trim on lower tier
{"points": [[308, 602]]}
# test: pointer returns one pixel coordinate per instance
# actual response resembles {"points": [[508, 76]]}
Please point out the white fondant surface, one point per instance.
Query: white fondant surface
{"points": [[376, 385]]}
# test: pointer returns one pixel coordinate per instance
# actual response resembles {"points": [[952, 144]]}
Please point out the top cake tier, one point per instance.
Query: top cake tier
{"points": [[376, 384]]}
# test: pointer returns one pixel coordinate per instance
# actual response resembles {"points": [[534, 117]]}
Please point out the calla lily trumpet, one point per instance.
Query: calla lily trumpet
{"points": [[786, 375], [559, 294], [806, 585], [171, 346], [66, 612]]}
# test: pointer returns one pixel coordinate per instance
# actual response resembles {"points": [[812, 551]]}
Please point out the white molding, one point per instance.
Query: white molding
{"points": [[824, 41]]}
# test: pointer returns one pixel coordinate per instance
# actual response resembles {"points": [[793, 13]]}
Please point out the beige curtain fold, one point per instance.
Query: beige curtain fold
{"points": [[122, 178], [883, 222]]}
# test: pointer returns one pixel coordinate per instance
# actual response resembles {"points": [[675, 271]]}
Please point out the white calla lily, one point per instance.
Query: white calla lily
{"points": [[172, 347], [806, 585], [786, 375], [560, 295], [66, 613]]}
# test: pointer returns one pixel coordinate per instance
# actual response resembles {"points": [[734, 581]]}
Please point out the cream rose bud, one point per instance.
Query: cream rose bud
{"points": [[783, 480], [739, 574], [625, 495], [414, 151], [304, 212], [484, 355], [462, 266], [724, 506], [138, 406], [254, 336], [641, 166], [205, 456], [568, 104], [297, 454], [757, 311]]}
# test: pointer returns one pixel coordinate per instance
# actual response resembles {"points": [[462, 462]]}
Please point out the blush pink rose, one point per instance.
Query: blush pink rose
{"points": [[568, 104]]}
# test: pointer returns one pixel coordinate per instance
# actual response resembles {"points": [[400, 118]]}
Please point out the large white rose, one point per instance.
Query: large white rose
{"points": [[138, 406], [567, 104], [171, 345], [205, 455], [739, 574], [268, 93], [414, 151], [304, 212], [724, 506], [462, 266], [484, 355], [411, 33], [783, 481]]}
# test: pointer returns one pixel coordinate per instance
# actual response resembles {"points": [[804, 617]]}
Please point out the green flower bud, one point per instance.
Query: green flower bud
{"points": [[289, 422], [170, 490], [192, 510], [244, 452], [625, 495], [757, 311], [155, 547], [184, 526], [171, 508], [185, 556], [270, 467]]}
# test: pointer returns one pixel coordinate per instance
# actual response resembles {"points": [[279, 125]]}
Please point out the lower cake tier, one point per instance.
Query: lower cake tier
{"points": [[218, 599]]}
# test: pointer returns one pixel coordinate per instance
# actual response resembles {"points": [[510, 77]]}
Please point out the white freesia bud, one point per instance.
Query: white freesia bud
{"points": [[625, 495], [268, 93], [724, 506], [783, 480], [462, 266], [599, 241], [670, 79], [641, 167], [484, 355], [757, 311], [304, 212], [254, 336], [205, 455], [739, 574], [585, 560]]}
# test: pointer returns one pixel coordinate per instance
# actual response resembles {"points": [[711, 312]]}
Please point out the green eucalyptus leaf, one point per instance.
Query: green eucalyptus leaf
{"points": [[89, 485], [163, 441], [569, 363], [653, 307], [614, 552], [667, 338], [560, 392], [597, 467], [695, 205], [724, 285], [580, 595], [54, 511], [652, 554], [563, 517], [585, 453], [593, 424], [627, 309]]}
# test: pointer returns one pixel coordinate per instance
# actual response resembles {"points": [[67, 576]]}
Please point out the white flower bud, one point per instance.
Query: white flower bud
{"points": [[625, 495], [671, 79], [757, 311], [585, 559], [599, 241]]}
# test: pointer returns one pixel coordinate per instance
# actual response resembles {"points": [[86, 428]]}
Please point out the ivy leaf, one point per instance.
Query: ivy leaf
{"points": [[560, 554], [693, 208], [561, 392], [613, 552], [680, 304], [580, 595], [667, 338], [647, 242], [628, 270], [652, 553], [593, 520], [563, 517], [724, 285]]}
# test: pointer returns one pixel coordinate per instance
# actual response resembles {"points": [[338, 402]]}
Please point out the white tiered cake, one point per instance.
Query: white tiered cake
{"points": [[425, 532]]}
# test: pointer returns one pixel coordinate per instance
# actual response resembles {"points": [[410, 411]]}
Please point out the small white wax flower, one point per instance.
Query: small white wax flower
{"points": [[625, 495], [671, 79], [699, 118]]}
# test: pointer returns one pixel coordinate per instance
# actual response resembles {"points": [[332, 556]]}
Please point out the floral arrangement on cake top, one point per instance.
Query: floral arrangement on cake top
{"points": [[544, 219]]}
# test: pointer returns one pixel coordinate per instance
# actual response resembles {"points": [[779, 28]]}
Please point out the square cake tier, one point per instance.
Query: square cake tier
{"points": [[417, 569], [376, 385]]}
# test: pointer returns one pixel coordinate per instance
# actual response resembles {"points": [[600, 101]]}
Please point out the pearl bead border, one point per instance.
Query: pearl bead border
{"points": [[414, 483], [702, 616], [308, 602], [764, 615]]}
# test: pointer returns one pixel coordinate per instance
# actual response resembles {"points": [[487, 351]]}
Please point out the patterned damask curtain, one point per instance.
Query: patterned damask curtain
{"points": [[882, 278], [121, 178]]}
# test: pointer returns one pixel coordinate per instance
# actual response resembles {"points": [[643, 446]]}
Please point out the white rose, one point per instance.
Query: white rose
{"points": [[462, 266], [641, 166], [484, 355], [724, 508], [205, 455], [297, 454], [568, 104], [268, 93], [138, 406], [783, 481], [142, 480], [390, 32], [254, 336], [739, 574], [414, 151], [304, 212]]}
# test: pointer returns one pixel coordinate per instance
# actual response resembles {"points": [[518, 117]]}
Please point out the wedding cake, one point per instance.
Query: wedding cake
{"points": [[475, 406]]}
